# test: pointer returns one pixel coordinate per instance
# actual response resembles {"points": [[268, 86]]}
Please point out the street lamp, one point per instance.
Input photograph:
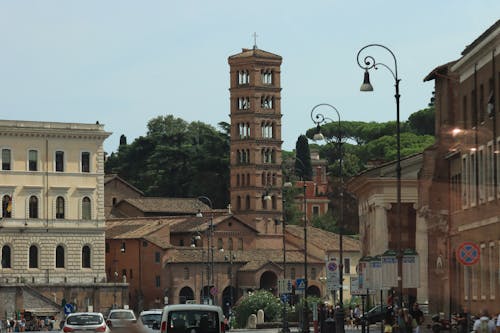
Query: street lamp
{"points": [[369, 63], [319, 119], [210, 254], [229, 258]]}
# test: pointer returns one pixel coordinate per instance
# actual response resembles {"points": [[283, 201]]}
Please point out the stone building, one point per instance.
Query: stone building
{"points": [[459, 183], [52, 225]]}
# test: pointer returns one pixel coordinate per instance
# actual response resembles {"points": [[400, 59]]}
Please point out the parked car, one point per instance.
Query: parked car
{"points": [[85, 321], [150, 320], [376, 314], [119, 318], [196, 318]]}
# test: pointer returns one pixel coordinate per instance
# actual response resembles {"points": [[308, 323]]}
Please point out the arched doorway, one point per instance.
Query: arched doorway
{"points": [[186, 294], [205, 296], [229, 297], [313, 291], [269, 282]]}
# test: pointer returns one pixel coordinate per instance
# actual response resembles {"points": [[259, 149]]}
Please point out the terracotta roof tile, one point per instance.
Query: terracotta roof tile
{"points": [[171, 205], [325, 239]]}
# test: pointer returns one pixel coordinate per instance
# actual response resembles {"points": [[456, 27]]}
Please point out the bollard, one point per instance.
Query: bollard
{"points": [[330, 325]]}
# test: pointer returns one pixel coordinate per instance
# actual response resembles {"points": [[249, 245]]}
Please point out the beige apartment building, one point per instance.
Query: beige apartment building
{"points": [[52, 224]]}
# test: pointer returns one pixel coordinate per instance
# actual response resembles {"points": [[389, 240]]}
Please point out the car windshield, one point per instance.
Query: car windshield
{"points": [[84, 320], [150, 318], [121, 315], [207, 321]]}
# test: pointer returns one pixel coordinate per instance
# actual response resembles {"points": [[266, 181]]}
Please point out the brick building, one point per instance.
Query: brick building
{"points": [[459, 183]]}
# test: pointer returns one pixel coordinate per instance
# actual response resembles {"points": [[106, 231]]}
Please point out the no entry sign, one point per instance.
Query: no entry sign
{"points": [[468, 253]]}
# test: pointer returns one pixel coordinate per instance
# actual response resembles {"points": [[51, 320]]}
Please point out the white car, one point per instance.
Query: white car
{"points": [[150, 320], [120, 318], [85, 321], [192, 318]]}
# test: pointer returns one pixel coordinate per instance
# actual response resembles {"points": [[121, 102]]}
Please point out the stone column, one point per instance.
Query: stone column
{"points": [[421, 246], [381, 228]]}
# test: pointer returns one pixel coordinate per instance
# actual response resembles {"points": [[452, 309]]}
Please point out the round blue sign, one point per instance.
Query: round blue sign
{"points": [[68, 308]]}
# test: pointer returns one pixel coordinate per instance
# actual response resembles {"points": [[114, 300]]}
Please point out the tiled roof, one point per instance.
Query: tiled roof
{"points": [[110, 177], [151, 229], [171, 205], [255, 52], [329, 241], [249, 260]]}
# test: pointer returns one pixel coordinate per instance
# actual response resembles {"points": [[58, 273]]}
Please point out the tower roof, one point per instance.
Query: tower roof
{"points": [[255, 52]]}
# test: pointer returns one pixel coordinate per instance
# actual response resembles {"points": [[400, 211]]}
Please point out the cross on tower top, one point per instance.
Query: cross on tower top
{"points": [[255, 40]]}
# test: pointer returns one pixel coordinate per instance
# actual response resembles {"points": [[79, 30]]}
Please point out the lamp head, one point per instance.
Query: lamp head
{"points": [[318, 136], [366, 86], [266, 197], [199, 214]]}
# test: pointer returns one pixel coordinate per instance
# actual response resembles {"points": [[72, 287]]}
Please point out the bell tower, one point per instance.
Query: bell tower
{"points": [[256, 177]]}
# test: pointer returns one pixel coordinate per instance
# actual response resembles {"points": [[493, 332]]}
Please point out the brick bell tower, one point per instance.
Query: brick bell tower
{"points": [[256, 177]]}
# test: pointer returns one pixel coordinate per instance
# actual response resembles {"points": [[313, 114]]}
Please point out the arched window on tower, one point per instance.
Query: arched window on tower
{"points": [[243, 77], [274, 201], [247, 202], [238, 180], [266, 76], [238, 203], [248, 179]]}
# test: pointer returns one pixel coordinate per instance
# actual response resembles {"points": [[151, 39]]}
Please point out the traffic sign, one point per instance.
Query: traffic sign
{"points": [[285, 286], [68, 308], [301, 284], [468, 253], [284, 298], [332, 275]]}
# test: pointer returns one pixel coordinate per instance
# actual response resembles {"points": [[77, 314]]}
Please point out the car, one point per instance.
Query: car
{"points": [[192, 318], [85, 322], [150, 320], [376, 314], [120, 318]]}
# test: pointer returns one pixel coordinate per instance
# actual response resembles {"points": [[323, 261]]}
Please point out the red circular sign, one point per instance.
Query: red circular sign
{"points": [[468, 253]]}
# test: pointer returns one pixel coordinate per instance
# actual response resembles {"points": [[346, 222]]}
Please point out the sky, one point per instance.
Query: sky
{"points": [[123, 63]]}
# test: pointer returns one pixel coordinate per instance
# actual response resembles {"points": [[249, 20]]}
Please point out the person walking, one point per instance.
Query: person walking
{"points": [[418, 317], [484, 324]]}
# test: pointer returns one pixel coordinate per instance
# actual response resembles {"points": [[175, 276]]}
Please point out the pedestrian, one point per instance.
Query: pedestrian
{"points": [[498, 323], [418, 317], [404, 321], [484, 324]]}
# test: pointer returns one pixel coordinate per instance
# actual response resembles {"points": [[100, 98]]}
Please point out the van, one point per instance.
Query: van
{"points": [[192, 318]]}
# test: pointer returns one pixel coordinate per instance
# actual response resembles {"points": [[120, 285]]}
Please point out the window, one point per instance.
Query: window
{"points": [[267, 76], [347, 266], [33, 207], [157, 257], [292, 273], [59, 256], [86, 256], [230, 244], [59, 208], [6, 257], [33, 160], [6, 206], [315, 210], [33, 257], [107, 247], [220, 243], [85, 161], [86, 212], [59, 161], [240, 244], [313, 273], [243, 77], [6, 159], [186, 273], [243, 103], [144, 243], [157, 281]]}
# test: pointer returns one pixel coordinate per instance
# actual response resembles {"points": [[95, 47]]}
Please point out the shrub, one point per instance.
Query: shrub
{"points": [[260, 299]]}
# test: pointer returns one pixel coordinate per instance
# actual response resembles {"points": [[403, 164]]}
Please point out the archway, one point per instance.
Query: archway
{"points": [[313, 291], [205, 296], [269, 282], [229, 298], [186, 294]]}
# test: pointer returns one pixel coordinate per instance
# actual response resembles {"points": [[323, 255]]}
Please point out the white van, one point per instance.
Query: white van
{"points": [[192, 318]]}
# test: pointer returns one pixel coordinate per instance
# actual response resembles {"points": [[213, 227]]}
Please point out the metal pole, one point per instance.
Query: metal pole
{"points": [[305, 327], [285, 328]]}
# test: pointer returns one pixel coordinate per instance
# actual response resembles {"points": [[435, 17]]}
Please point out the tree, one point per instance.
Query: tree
{"points": [[303, 167], [422, 122], [260, 299]]}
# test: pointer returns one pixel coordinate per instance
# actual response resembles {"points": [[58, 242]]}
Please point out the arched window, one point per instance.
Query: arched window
{"points": [[238, 180], [186, 273], [247, 202], [220, 244], [274, 202], [238, 203], [292, 273], [6, 206], [6, 257], [59, 208], [230, 244], [33, 207], [313, 273], [86, 256], [86, 211], [59, 256], [33, 257]]}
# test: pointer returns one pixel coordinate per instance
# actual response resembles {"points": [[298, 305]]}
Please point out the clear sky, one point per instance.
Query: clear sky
{"points": [[125, 62]]}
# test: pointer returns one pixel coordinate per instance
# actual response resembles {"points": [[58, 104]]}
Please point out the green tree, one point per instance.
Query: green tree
{"points": [[422, 122], [303, 167], [260, 299]]}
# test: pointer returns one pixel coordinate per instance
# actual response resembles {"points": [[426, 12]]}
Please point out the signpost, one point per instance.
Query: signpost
{"points": [[301, 286], [468, 255], [332, 275]]}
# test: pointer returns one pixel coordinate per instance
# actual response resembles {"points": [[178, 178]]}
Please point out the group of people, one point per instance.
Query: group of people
{"points": [[485, 323], [404, 320], [21, 325]]}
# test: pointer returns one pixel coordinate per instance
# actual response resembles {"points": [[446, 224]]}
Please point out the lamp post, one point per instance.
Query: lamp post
{"points": [[285, 328], [210, 253], [369, 63], [229, 258], [319, 119]]}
